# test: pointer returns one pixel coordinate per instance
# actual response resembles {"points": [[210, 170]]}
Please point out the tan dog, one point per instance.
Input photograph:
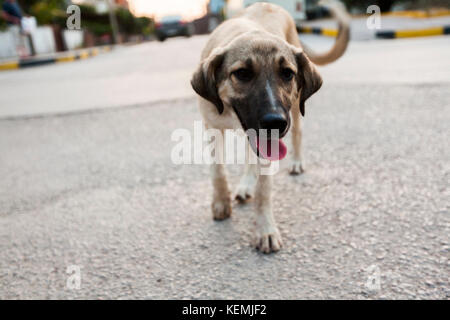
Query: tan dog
{"points": [[253, 74]]}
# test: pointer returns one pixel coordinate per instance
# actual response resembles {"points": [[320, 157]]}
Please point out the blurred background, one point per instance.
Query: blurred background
{"points": [[121, 21], [86, 177]]}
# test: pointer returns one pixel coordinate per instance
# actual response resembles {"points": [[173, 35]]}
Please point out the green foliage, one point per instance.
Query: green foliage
{"points": [[125, 20], [130, 24], [384, 5], [94, 22], [3, 25], [45, 11], [54, 12], [145, 25]]}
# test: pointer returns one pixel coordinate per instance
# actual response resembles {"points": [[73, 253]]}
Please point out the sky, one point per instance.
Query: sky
{"points": [[188, 9]]}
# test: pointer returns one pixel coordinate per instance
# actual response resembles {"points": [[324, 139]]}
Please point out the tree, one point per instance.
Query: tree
{"points": [[385, 5], [54, 12], [45, 11]]}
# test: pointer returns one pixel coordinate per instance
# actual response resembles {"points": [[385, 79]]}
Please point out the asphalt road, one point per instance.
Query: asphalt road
{"points": [[96, 189]]}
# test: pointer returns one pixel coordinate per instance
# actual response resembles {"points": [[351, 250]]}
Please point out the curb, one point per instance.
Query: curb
{"points": [[393, 34], [389, 34], [418, 13], [316, 30], [59, 58]]}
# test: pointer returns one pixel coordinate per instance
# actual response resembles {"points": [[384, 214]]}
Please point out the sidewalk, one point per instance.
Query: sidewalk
{"points": [[66, 56]]}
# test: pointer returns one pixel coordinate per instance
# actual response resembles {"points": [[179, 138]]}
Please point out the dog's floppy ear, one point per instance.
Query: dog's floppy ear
{"points": [[204, 79], [308, 78]]}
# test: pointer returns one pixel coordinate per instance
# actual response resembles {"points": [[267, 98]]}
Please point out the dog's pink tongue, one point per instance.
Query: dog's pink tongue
{"points": [[272, 150]]}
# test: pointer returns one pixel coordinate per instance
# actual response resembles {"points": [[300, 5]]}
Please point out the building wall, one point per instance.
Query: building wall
{"points": [[7, 45], [11, 40], [43, 40], [73, 39]]}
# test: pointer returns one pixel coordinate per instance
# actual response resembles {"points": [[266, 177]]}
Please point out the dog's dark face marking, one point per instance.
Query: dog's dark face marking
{"points": [[263, 87], [261, 78]]}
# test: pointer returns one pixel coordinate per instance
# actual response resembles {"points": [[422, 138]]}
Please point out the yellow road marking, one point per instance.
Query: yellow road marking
{"points": [[419, 33], [66, 59], [9, 65], [306, 29], [330, 32], [84, 54]]}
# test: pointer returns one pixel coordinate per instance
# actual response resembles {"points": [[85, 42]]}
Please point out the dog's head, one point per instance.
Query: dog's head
{"points": [[261, 78]]}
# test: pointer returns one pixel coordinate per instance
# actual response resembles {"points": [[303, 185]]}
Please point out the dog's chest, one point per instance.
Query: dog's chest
{"points": [[227, 120]]}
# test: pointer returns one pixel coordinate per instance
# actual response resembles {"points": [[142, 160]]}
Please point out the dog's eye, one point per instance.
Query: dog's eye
{"points": [[244, 75], [287, 74]]}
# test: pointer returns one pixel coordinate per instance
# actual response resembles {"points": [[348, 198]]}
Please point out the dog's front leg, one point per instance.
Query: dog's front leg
{"points": [[221, 204], [267, 237], [248, 180], [296, 162]]}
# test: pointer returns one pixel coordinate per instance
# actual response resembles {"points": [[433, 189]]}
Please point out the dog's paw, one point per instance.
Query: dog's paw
{"points": [[244, 192], [268, 242], [296, 167], [246, 187], [221, 209]]}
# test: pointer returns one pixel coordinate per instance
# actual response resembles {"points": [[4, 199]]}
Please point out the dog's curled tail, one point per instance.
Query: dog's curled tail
{"points": [[338, 11]]}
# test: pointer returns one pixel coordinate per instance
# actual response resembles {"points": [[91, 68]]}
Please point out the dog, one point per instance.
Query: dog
{"points": [[255, 74]]}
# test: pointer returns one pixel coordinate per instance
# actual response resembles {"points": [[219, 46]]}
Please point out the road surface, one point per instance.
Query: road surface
{"points": [[87, 183]]}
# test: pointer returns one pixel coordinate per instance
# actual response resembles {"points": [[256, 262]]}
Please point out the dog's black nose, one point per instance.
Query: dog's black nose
{"points": [[272, 121]]}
